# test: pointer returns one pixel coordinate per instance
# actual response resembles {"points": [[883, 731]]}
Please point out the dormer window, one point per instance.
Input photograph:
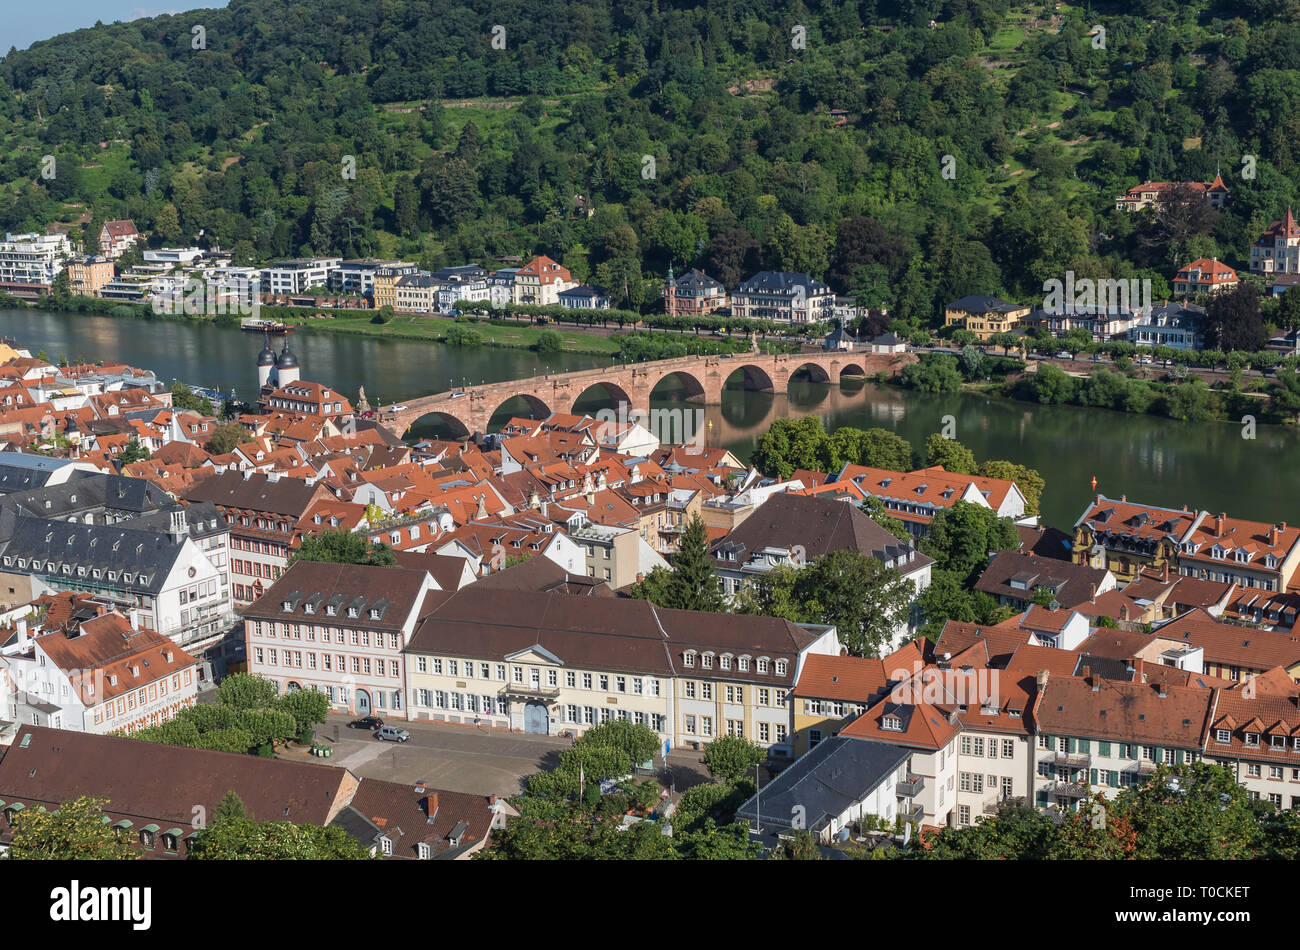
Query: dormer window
{"points": [[352, 612], [331, 610], [892, 723], [424, 851], [1222, 735], [287, 606], [706, 661], [762, 664], [780, 667], [688, 659], [386, 845], [743, 664], [725, 661], [1252, 738]]}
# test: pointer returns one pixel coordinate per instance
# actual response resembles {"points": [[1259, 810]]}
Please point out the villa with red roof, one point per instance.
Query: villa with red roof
{"points": [[1153, 194]]}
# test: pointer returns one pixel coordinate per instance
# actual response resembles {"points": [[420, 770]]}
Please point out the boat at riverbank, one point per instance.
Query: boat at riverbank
{"points": [[254, 325]]}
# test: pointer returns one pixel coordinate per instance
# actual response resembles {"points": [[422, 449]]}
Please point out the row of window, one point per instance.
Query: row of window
{"points": [[977, 745], [976, 782], [257, 547], [295, 631], [636, 685], [126, 704], [255, 568], [1251, 740], [724, 662], [329, 662]]}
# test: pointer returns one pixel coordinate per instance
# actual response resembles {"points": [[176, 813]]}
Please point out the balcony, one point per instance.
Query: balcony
{"points": [[1068, 789], [529, 691], [1144, 767], [914, 814], [911, 786], [1070, 760]]}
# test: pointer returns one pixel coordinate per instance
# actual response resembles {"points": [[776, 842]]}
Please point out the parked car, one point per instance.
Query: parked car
{"points": [[1065, 355], [398, 409], [366, 722], [392, 734]]}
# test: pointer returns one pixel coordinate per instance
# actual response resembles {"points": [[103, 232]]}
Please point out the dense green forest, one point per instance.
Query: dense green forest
{"points": [[472, 142]]}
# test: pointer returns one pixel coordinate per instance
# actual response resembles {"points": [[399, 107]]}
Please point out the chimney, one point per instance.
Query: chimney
{"points": [[20, 627], [1164, 571], [1042, 679], [1161, 691], [1218, 525], [1274, 536], [1123, 612], [1087, 672], [1123, 497]]}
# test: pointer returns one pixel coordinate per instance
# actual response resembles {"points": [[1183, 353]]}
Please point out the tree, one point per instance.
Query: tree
{"points": [[802, 846], [693, 583], [340, 546], [951, 454], [384, 314], [1030, 483], [866, 601], [134, 452], [790, 444], [963, 536], [730, 757], [549, 342], [225, 437], [185, 398], [245, 691], [233, 836], [77, 831], [1233, 320]]}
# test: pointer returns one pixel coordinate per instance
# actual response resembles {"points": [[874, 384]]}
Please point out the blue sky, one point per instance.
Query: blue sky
{"points": [[23, 23]]}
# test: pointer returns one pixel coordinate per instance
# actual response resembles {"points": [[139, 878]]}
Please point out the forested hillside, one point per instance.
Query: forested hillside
{"points": [[466, 151]]}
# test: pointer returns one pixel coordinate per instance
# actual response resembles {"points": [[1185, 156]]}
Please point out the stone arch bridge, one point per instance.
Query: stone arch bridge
{"points": [[702, 377]]}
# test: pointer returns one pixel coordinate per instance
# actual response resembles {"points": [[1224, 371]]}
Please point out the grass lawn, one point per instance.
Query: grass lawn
{"points": [[506, 333]]}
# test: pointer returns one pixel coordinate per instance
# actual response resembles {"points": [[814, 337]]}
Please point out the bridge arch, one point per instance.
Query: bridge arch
{"points": [[605, 391], [692, 387], [437, 424], [852, 371], [816, 372], [537, 408], [752, 377]]}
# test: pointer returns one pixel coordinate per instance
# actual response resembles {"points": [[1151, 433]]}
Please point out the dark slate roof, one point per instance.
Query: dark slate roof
{"points": [[986, 303], [392, 591], [409, 818], [541, 574], [256, 492], [22, 471], [824, 783], [696, 281], [147, 557], [1074, 583], [91, 491], [887, 339], [820, 525], [781, 282], [203, 518], [1107, 667], [584, 291]]}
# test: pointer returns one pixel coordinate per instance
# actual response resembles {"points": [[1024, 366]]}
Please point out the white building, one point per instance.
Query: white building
{"points": [[33, 258]]}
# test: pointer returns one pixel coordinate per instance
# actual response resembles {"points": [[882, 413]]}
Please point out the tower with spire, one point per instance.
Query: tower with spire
{"points": [[276, 370]]}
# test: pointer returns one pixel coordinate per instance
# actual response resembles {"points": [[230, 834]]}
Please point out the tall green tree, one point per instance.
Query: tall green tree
{"points": [[76, 831], [693, 583]]}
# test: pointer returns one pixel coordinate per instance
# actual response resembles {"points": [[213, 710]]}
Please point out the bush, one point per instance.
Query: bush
{"points": [[266, 751], [306, 736], [548, 342], [458, 335]]}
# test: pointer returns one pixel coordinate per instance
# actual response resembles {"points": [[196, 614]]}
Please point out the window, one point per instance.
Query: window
{"points": [[688, 689], [1275, 772], [762, 664], [707, 661], [706, 725], [688, 725], [620, 684], [814, 738], [638, 686], [552, 678], [518, 673], [706, 691], [604, 683], [963, 814], [1008, 748], [501, 672], [688, 659], [780, 667], [586, 681], [452, 667]]}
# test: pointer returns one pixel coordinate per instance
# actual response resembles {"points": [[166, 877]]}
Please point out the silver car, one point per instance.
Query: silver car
{"points": [[392, 734]]}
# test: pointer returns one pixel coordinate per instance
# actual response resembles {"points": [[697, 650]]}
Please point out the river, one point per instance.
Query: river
{"points": [[1148, 458]]}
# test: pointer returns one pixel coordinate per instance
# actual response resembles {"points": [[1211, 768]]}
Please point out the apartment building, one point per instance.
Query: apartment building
{"points": [[117, 237], [358, 277], [539, 282], [1110, 734], [787, 297], [340, 629], [984, 315], [1277, 252], [383, 284], [553, 662], [261, 512], [914, 498], [1155, 194], [83, 665], [87, 274], [33, 258], [1204, 276], [695, 292], [296, 276], [416, 293]]}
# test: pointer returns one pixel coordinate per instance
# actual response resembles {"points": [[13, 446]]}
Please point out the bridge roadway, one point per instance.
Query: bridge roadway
{"points": [[703, 378]]}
